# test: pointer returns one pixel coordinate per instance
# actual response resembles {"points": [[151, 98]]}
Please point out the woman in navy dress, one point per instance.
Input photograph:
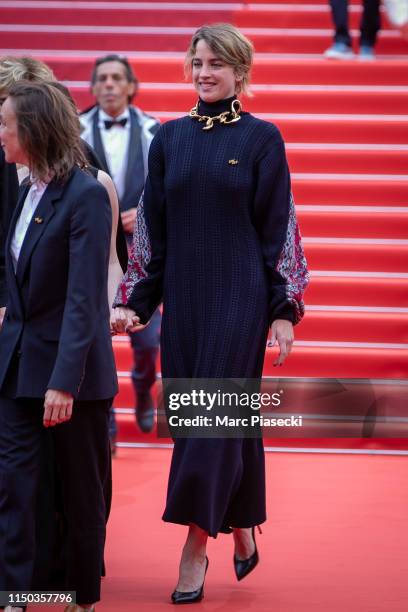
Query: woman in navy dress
{"points": [[218, 243]]}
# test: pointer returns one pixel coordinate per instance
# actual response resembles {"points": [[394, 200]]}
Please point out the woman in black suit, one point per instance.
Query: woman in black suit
{"points": [[57, 372]]}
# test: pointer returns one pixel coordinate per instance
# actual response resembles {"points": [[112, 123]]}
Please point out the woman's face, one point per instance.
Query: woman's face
{"points": [[213, 79], [9, 135]]}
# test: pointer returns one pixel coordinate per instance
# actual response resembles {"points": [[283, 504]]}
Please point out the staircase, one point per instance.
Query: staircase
{"points": [[346, 129]]}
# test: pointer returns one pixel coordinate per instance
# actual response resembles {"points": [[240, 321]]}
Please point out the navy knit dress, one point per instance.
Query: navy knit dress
{"points": [[226, 260]]}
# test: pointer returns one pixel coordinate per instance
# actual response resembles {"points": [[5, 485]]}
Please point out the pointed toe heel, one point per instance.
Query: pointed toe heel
{"points": [[243, 567], [180, 597]]}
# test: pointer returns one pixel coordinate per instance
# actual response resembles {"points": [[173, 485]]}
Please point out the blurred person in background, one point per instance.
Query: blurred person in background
{"points": [[121, 134], [369, 27], [12, 70]]}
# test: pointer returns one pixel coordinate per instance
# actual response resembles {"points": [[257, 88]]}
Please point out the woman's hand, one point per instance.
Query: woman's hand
{"points": [[282, 331], [124, 320], [57, 407]]}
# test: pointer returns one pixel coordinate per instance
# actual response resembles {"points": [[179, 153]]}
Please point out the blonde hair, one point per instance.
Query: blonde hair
{"points": [[14, 69], [229, 45]]}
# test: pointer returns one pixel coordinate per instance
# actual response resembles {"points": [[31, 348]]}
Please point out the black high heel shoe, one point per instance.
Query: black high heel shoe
{"points": [[178, 597], [245, 566]]}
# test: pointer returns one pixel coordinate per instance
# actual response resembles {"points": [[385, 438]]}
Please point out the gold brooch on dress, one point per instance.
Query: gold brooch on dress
{"points": [[226, 117]]}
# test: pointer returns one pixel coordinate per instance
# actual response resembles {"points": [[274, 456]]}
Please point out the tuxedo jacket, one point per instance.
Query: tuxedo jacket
{"points": [[8, 200], [56, 330], [142, 129]]}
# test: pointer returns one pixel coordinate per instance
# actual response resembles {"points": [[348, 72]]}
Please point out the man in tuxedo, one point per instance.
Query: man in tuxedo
{"points": [[121, 135]]}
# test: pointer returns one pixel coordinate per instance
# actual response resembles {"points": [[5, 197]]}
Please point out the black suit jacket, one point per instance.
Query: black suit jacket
{"points": [[57, 324], [8, 201]]}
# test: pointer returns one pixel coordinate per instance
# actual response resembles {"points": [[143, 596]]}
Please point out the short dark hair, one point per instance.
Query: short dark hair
{"points": [[114, 57]]}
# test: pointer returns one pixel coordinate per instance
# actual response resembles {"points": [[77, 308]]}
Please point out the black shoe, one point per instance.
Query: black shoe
{"points": [[178, 597], [245, 566], [145, 412]]}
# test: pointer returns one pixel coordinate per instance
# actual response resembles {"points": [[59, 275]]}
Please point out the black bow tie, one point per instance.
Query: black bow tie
{"points": [[111, 122]]}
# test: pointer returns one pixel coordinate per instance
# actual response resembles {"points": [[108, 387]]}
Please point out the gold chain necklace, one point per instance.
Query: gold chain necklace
{"points": [[224, 117]]}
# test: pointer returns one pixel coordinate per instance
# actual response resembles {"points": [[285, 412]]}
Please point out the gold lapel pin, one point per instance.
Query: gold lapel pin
{"points": [[232, 162], [38, 220]]}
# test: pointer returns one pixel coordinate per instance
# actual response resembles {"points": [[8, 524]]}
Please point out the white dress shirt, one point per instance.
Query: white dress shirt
{"points": [[116, 145], [31, 202]]}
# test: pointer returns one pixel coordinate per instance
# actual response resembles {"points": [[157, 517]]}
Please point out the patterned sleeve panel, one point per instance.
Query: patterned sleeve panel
{"points": [[139, 257], [278, 231], [292, 265]]}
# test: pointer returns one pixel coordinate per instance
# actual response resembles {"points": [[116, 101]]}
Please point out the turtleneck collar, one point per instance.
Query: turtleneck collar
{"points": [[211, 109]]}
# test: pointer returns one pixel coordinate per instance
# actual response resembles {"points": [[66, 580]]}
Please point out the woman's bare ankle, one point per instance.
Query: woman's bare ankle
{"points": [[244, 543]]}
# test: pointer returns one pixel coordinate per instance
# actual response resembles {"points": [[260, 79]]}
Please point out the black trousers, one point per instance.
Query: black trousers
{"points": [[145, 345], [369, 26], [80, 449]]}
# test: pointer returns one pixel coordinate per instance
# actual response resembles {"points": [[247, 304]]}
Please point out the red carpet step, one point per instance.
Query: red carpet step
{"points": [[168, 68], [129, 433], [353, 326], [179, 15], [348, 256], [323, 221], [274, 98], [350, 189], [134, 38], [319, 361], [357, 291], [327, 128], [348, 160]]}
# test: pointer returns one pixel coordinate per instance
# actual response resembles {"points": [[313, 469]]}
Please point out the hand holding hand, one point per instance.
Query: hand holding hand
{"points": [[124, 320], [128, 219], [282, 331], [57, 407]]}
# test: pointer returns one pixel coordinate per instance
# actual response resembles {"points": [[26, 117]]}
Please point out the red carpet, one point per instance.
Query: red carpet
{"points": [[149, 38], [109, 14], [346, 129], [296, 70], [335, 540]]}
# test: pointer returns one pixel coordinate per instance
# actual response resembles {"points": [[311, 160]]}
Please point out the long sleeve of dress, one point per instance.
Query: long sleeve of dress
{"points": [[142, 286], [278, 230], [139, 257]]}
